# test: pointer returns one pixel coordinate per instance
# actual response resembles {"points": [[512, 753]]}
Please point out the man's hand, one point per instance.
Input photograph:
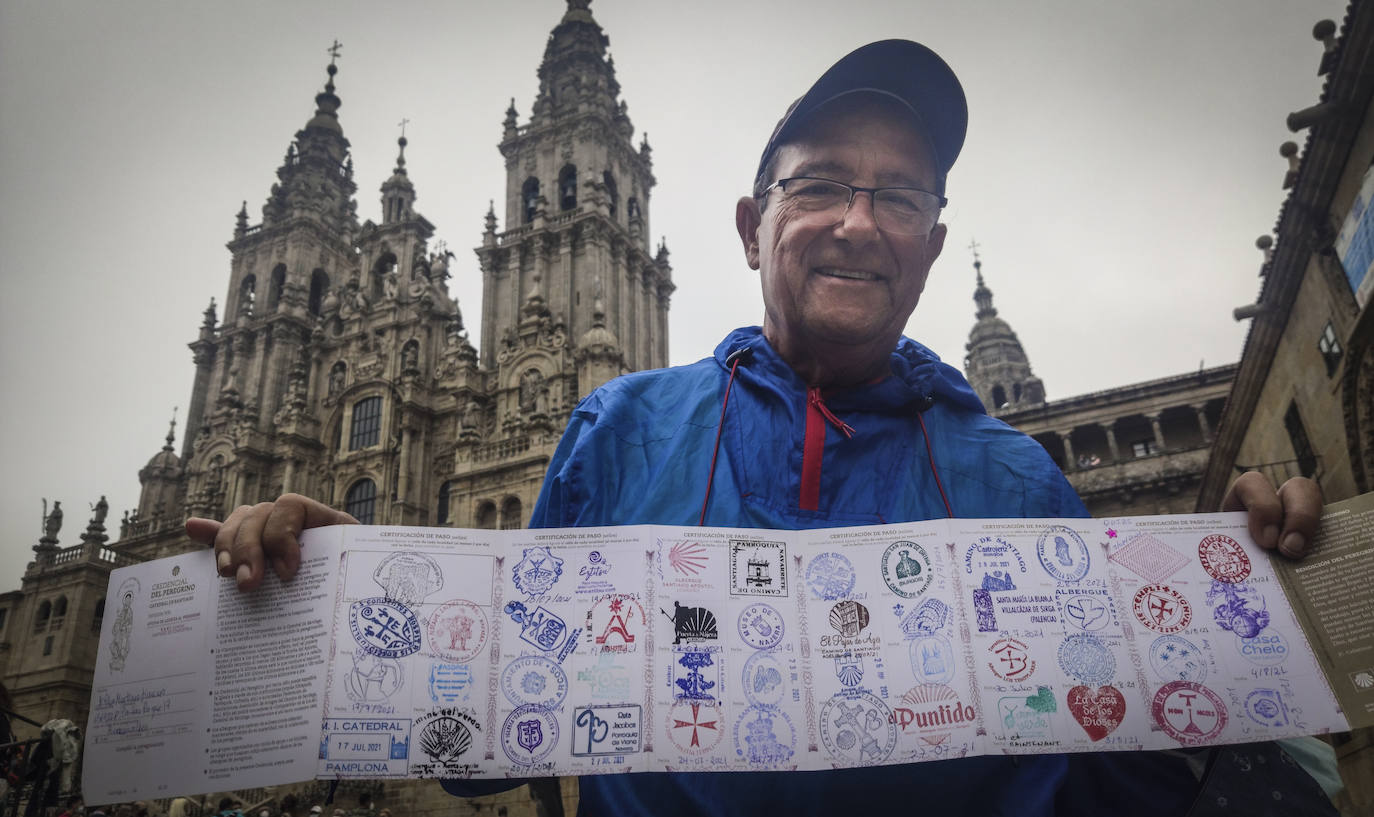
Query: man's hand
{"points": [[1286, 519], [254, 534]]}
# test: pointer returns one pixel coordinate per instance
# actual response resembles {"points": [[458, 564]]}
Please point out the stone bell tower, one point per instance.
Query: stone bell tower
{"points": [[576, 214], [996, 365]]}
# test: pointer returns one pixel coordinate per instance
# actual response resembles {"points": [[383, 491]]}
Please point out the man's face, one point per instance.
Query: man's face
{"points": [[837, 288]]}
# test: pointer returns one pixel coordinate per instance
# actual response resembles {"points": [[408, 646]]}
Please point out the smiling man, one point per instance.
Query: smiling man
{"points": [[827, 416]]}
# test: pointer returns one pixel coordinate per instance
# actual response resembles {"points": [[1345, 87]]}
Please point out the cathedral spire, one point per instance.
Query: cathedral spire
{"points": [[996, 364], [398, 193], [575, 74]]}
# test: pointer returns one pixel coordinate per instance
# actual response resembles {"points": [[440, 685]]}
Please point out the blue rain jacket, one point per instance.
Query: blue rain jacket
{"points": [[639, 450]]}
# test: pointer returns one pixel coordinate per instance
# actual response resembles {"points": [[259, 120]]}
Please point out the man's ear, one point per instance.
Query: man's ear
{"points": [[747, 219], [935, 242]]}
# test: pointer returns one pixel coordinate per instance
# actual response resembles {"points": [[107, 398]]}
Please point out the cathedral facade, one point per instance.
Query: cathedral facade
{"points": [[339, 366]]}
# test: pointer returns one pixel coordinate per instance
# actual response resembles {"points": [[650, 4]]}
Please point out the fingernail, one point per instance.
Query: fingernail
{"points": [[1293, 545], [1271, 536], [244, 574], [223, 560]]}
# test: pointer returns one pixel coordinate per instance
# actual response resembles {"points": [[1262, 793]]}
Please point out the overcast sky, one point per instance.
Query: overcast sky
{"points": [[1121, 160]]}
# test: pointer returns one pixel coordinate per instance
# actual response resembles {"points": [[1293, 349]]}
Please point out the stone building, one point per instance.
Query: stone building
{"points": [[1303, 402], [342, 369], [1134, 449]]}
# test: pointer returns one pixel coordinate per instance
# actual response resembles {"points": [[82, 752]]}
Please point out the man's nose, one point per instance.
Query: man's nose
{"points": [[859, 222]]}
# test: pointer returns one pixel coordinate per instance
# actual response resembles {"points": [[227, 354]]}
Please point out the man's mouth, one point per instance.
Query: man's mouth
{"points": [[849, 274]]}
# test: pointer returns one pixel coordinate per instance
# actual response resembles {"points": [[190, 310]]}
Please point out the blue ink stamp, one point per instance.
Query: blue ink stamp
{"points": [[384, 628], [1267, 649], [982, 606], [347, 745], [536, 573], [1087, 658], [906, 569], [450, 683], [696, 674], [1237, 607], [760, 626], [606, 730], [996, 560], [1063, 553], [1267, 708], [830, 576], [764, 679], [540, 628], [849, 669], [606, 680], [933, 659], [372, 680], [765, 736], [534, 681], [529, 734], [928, 618], [1175, 658]]}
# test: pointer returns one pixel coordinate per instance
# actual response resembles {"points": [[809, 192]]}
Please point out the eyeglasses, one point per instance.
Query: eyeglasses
{"points": [[900, 210]]}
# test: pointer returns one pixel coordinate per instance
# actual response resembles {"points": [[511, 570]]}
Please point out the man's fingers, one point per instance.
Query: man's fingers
{"points": [[1254, 493], [224, 541], [1302, 511], [291, 514], [247, 551], [202, 530]]}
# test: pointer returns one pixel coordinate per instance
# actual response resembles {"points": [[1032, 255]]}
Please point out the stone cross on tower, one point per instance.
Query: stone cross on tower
{"points": [[333, 51]]}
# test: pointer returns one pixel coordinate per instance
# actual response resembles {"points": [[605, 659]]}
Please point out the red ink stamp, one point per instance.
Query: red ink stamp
{"points": [[1011, 660], [1099, 711], [1224, 559], [458, 630], [695, 727], [1189, 712], [1162, 609], [616, 623]]}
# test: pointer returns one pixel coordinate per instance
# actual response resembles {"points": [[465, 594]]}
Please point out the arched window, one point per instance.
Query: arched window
{"points": [[529, 198], [510, 513], [367, 423], [361, 501], [99, 618], [441, 510], [248, 290], [486, 516], [612, 192], [319, 287], [999, 396], [274, 290], [567, 187], [59, 613], [1016, 392], [40, 621]]}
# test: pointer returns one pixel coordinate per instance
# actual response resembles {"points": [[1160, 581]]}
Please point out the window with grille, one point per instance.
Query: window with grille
{"points": [[510, 514], [1297, 435], [361, 501], [367, 423], [1330, 347], [1144, 448]]}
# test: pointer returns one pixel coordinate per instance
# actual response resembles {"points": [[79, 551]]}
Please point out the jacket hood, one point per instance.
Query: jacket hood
{"points": [[918, 378]]}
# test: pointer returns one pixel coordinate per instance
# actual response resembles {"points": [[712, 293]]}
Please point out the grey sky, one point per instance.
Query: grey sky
{"points": [[1121, 160]]}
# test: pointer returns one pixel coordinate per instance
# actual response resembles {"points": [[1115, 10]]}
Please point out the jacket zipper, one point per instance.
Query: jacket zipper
{"points": [[813, 447]]}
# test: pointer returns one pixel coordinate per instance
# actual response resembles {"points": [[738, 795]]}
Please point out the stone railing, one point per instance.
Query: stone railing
{"points": [[106, 555], [153, 524], [501, 449], [1142, 471]]}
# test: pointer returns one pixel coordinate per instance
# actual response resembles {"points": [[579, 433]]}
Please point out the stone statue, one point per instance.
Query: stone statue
{"points": [[410, 356], [336, 379], [101, 508], [52, 522], [391, 284]]}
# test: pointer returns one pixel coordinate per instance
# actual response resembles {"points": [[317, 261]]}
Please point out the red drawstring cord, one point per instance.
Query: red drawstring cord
{"points": [[710, 478], [931, 454], [815, 398]]}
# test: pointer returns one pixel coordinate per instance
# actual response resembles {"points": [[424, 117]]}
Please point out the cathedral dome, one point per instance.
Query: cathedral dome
{"points": [[598, 335]]}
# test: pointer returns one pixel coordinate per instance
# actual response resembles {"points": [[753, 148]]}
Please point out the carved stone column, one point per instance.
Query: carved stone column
{"points": [[1070, 464], [1111, 441], [1159, 431], [1202, 424]]}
